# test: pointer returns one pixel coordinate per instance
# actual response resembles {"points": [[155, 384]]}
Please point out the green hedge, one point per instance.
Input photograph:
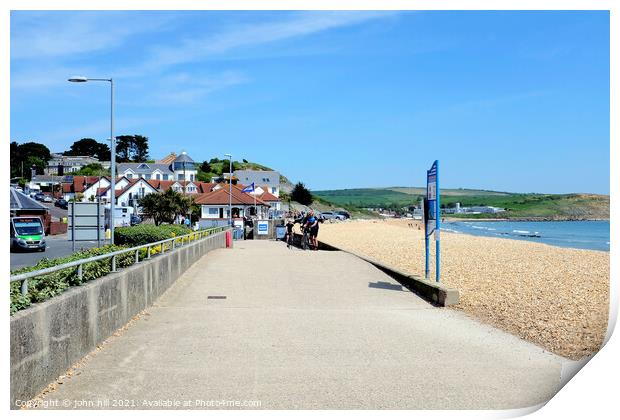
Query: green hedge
{"points": [[144, 234], [44, 287]]}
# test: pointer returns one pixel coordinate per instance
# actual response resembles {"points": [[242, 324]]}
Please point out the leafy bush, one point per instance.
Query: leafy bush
{"points": [[44, 287], [144, 234]]}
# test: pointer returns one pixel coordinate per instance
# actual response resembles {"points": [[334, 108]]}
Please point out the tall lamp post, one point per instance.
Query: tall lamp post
{"points": [[82, 79], [229, 189]]}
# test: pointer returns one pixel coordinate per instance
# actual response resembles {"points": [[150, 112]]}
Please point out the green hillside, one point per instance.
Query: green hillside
{"points": [[547, 206], [215, 167]]}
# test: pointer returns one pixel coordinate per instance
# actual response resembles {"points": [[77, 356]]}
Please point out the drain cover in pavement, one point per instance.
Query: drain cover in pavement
{"points": [[216, 297]]}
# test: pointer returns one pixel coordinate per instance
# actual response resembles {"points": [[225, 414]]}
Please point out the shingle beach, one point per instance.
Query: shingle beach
{"points": [[555, 297]]}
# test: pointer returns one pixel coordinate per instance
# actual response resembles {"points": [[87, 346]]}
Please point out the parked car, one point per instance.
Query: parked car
{"points": [[39, 196], [331, 215], [47, 199], [344, 213], [134, 219], [62, 203]]}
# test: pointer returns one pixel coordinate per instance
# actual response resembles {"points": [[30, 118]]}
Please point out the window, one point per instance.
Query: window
{"points": [[191, 177], [143, 166], [129, 176], [273, 190], [214, 211], [180, 177], [165, 177], [158, 177]]}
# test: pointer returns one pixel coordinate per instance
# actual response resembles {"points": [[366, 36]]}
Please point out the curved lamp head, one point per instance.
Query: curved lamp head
{"points": [[78, 79]]}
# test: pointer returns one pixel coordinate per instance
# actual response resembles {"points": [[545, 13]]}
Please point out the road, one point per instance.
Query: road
{"points": [[57, 246], [56, 212], [308, 330]]}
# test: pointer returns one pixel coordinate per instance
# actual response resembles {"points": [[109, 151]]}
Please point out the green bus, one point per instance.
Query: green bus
{"points": [[27, 234]]}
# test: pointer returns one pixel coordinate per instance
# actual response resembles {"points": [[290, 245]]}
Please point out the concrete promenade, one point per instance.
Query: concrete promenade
{"points": [[313, 330]]}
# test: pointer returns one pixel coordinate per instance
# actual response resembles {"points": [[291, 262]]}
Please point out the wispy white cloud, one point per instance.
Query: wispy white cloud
{"points": [[43, 77], [201, 47], [64, 34], [185, 88]]}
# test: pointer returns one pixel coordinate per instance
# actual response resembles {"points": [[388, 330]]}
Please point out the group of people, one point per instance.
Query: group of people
{"points": [[308, 222]]}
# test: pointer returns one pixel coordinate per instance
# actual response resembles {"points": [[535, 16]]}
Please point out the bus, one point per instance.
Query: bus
{"points": [[27, 234]]}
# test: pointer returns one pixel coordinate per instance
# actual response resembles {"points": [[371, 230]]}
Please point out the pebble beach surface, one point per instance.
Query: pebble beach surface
{"points": [[555, 297]]}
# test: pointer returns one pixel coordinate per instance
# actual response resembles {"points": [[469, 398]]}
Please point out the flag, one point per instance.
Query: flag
{"points": [[249, 188]]}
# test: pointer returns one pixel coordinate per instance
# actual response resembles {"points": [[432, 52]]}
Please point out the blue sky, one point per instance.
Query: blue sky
{"points": [[510, 101]]}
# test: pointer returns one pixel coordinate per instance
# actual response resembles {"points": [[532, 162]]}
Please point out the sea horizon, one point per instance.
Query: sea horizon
{"points": [[581, 234]]}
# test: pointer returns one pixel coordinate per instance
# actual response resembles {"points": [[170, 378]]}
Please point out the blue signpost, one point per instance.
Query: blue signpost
{"points": [[431, 211]]}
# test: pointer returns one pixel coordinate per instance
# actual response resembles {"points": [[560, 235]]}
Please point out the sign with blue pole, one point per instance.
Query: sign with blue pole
{"points": [[431, 217]]}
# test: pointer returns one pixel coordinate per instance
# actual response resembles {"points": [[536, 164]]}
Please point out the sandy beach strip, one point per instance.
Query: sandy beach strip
{"points": [[555, 297]]}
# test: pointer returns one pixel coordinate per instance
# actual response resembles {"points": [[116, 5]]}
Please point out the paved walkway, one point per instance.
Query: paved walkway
{"points": [[309, 330]]}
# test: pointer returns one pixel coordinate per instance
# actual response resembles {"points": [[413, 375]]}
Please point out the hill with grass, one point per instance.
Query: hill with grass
{"points": [[517, 205], [216, 167]]}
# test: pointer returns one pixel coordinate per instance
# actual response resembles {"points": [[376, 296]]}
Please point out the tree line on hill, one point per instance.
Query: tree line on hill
{"points": [[28, 155]]}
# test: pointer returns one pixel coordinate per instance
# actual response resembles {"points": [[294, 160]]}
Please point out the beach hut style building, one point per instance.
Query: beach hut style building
{"points": [[214, 206]]}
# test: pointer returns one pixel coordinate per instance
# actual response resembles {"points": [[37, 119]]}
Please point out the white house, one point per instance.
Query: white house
{"points": [[171, 168], [214, 206], [90, 191], [265, 180]]}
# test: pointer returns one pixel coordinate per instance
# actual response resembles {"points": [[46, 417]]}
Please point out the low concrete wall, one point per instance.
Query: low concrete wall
{"points": [[49, 337], [271, 232], [429, 290]]}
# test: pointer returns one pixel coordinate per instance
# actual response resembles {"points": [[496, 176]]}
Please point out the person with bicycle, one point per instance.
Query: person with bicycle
{"points": [[312, 225], [288, 237]]}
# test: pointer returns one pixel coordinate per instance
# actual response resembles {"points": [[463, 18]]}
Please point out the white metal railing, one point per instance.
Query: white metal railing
{"points": [[184, 239]]}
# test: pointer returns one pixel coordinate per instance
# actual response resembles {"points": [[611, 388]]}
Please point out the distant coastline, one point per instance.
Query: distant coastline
{"points": [[524, 219]]}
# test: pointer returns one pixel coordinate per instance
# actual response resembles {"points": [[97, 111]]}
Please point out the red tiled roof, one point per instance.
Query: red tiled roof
{"points": [[205, 187], [221, 197], [267, 196]]}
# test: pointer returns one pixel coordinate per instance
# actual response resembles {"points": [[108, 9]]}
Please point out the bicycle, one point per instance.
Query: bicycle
{"points": [[290, 236], [305, 238]]}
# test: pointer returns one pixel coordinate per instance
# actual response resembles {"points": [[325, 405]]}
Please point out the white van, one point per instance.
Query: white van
{"points": [[122, 215]]}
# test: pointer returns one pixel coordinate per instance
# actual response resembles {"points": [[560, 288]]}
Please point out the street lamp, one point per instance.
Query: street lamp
{"points": [[82, 79], [229, 189]]}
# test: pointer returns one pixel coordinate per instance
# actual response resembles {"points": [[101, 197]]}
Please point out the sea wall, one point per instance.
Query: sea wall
{"points": [[49, 337]]}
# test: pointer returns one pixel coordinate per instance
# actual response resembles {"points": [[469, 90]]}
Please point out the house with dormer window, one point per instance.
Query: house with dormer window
{"points": [[268, 181], [171, 168]]}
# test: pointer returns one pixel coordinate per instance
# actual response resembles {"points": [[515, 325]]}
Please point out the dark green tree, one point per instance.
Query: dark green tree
{"points": [[301, 194], [140, 148], [205, 167], [124, 148], [38, 154], [226, 166], [132, 148], [34, 162], [89, 147]]}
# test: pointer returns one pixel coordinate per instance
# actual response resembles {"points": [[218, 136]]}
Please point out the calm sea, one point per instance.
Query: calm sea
{"points": [[584, 235]]}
